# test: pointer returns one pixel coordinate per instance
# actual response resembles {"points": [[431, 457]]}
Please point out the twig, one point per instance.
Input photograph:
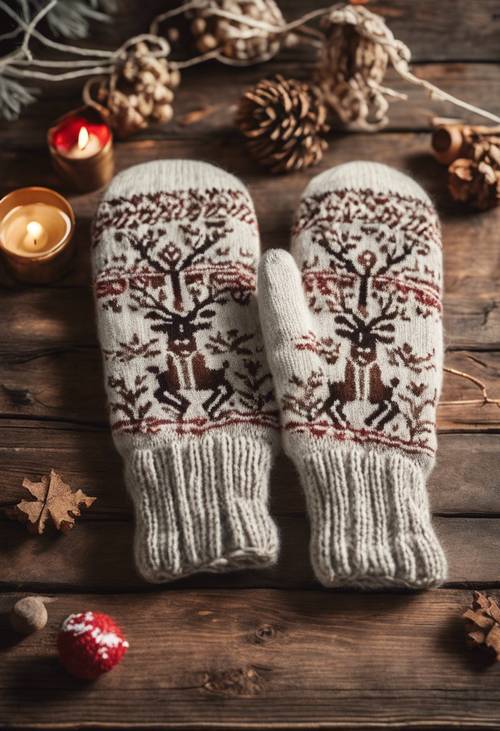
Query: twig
{"points": [[65, 48], [485, 400]]}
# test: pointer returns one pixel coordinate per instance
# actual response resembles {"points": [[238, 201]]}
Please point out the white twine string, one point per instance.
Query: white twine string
{"points": [[20, 63], [374, 28]]}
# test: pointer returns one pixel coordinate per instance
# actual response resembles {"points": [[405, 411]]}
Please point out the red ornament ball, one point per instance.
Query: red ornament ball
{"points": [[90, 644]]}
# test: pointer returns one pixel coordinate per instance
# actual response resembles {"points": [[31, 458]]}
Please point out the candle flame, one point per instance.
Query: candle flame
{"points": [[83, 138], [34, 229]]}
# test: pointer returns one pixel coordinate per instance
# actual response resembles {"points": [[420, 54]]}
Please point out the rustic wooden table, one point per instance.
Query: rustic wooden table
{"points": [[270, 648]]}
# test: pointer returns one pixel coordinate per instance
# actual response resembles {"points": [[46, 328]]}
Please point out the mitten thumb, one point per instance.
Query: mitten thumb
{"points": [[285, 319]]}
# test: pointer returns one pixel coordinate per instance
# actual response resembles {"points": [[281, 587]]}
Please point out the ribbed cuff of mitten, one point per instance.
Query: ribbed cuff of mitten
{"points": [[370, 521], [201, 505]]}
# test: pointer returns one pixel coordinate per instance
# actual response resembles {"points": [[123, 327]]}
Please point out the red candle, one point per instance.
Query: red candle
{"points": [[81, 145]]}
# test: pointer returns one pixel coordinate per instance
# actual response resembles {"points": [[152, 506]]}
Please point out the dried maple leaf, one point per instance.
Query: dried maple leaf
{"points": [[54, 499], [483, 623]]}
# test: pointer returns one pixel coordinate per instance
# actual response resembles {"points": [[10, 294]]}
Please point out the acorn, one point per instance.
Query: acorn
{"points": [[29, 614]]}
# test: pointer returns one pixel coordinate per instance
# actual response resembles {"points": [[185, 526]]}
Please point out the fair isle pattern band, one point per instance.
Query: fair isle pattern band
{"points": [[191, 204], [370, 264], [190, 395], [352, 323], [170, 261], [407, 211]]}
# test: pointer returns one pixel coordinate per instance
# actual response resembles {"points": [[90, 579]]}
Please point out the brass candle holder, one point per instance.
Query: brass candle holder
{"points": [[81, 146], [36, 231]]}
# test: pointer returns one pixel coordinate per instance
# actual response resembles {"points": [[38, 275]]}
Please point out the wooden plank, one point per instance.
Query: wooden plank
{"points": [[472, 312], [67, 384], [260, 658], [461, 406], [97, 556], [88, 461], [217, 89]]}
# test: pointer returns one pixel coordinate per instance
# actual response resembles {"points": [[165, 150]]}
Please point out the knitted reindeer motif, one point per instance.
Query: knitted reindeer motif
{"points": [[186, 366], [365, 271], [191, 405], [362, 378]]}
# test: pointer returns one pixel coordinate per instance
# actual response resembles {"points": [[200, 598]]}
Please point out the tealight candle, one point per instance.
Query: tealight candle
{"points": [[81, 146], [87, 145], [36, 228]]}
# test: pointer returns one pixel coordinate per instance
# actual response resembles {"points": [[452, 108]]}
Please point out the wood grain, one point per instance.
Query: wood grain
{"points": [[66, 384], [266, 649], [474, 82], [260, 658], [88, 461], [97, 556], [472, 312]]}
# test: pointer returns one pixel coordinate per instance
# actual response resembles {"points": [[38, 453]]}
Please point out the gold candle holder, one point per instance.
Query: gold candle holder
{"points": [[81, 146], [36, 231]]}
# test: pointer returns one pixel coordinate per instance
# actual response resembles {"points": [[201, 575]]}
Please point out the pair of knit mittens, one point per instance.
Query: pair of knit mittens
{"points": [[352, 336]]}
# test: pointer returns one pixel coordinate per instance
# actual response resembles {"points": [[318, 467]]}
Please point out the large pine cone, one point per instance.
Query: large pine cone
{"points": [[283, 121], [237, 41]]}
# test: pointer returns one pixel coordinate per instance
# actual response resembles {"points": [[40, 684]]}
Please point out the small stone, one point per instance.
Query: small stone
{"points": [[28, 615]]}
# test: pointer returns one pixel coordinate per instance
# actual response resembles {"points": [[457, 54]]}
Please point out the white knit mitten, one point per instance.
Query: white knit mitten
{"points": [[352, 326], [192, 411]]}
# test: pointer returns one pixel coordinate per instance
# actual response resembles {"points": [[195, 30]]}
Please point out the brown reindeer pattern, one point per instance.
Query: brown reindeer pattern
{"points": [[370, 270], [170, 261]]}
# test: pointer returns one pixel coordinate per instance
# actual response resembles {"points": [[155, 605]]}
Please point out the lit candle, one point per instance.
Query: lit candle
{"points": [[81, 146], [87, 145], [36, 228], [36, 236]]}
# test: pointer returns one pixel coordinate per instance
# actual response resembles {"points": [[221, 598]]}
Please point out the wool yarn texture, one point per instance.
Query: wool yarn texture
{"points": [[352, 322], [175, 250], [90, 644]]}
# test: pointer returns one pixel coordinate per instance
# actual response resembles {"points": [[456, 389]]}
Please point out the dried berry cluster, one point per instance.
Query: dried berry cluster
{"points": [[214, 25], [141, 91]]}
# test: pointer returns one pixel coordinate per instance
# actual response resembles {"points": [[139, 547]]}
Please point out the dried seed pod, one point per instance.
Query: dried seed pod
{"points": [[283, 121], [482, 623], [352, 64], [475, 183], [451, 140], [139, 92], [228, 26], [29, 615], [447, 142]]}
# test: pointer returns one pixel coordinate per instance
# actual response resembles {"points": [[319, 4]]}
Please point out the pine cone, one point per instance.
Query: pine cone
{"points": [[483, 623], [140, 92], [283, 121], [475, 183], [237, 41]]}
